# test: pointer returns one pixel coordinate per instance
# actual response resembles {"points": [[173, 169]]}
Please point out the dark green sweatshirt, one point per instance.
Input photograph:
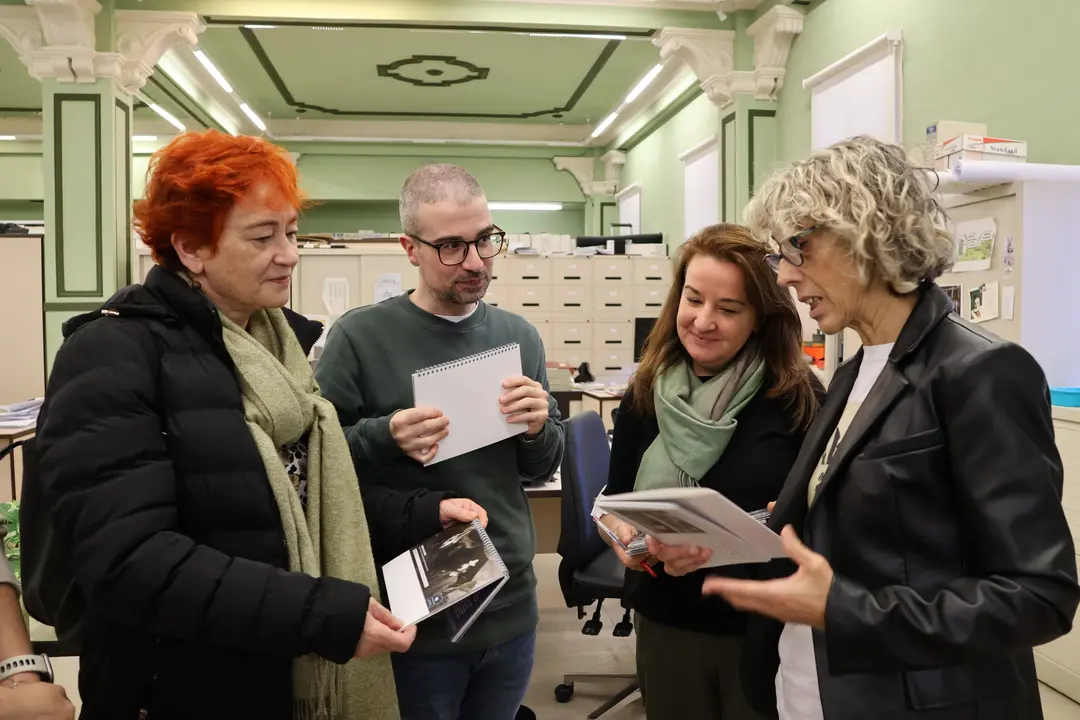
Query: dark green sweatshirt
{"points": [[366, 372]]}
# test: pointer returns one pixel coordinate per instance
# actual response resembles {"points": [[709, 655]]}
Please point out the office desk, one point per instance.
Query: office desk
{"points": [[602, 402], [569, 402], [545, 503], [11, 438]]}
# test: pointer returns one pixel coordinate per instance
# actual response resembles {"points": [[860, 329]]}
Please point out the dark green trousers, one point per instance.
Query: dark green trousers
{"points": [[689, 676]]}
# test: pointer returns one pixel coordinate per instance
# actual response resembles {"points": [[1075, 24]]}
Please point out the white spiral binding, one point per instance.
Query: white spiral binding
{"points": [[490, 546], [465, 360]]}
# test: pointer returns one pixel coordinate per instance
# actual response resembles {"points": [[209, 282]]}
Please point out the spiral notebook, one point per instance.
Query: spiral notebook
{"points": [[467, 391], [459, 571]]}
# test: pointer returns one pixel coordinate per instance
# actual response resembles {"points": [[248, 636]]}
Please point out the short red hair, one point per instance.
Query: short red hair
{"points": [[194, 181]]}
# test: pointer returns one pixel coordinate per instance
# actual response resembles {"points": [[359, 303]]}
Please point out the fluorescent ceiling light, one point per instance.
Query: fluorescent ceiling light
{"points": [[168, 116], [524, 206], [7, 137], [325, 27], [254, 118], [643, 83], [214, 72], [144, 138], [591, 36], [604, 123], [260, 27]]}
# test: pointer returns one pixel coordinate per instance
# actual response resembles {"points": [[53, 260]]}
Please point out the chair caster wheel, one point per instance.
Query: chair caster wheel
{"points": [[563, 693], [623, 629], [592, 627]]}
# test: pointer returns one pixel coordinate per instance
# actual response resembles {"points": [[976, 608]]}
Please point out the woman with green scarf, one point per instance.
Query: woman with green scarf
{"points": [[721, 400], [220, 564]]}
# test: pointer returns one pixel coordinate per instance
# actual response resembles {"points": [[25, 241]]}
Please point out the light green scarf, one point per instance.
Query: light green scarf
{"points": [[696, 420], [282, 404]]}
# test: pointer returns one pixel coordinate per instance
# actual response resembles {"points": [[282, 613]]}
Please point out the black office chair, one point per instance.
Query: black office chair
{"points": [[589, 571]]}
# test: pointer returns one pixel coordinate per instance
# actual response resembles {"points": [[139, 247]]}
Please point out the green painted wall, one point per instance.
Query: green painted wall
{"points": [[968, 60], [508, 174], [654, 165], [382, 216], [21, 210]]}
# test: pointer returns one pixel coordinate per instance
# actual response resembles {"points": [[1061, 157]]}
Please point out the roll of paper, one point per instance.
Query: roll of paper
{"points": [[984, 171]]}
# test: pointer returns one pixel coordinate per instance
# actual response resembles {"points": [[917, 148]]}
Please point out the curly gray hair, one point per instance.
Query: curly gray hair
{"points": [[873, 198]]}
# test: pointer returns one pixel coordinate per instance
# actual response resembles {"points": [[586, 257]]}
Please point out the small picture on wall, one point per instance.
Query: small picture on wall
{"points": [[984, 302], [955, 293]]}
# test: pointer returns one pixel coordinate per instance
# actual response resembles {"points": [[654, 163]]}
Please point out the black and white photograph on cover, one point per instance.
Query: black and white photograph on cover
{"points": [[658, 522], [452, 564]]}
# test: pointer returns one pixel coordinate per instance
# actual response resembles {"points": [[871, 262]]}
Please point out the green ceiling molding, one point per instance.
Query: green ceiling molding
{"points": [[433, 13], [513, 29], [301, 106], [657, 121], [433, 71]]}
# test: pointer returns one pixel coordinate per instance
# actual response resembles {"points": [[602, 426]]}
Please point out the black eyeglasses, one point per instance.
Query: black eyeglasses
{"points": [[790, 250], [454, 252]]}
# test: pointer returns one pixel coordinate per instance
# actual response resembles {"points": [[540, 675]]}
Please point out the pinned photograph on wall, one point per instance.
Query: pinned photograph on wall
{"points": [[984, 302], [974, 244], [956, 294]]}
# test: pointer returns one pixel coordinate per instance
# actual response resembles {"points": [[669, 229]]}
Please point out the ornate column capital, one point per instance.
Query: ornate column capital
{"points": [[709, 53], [582, 168], [584, 171], [20, 27], [55, 39], [143, 36], [773, 34]]}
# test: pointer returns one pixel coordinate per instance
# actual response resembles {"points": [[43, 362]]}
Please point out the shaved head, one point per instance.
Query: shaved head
{"points": [[431, 184]]}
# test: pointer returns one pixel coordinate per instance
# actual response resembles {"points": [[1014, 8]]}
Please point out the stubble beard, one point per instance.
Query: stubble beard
{"points": [[460, 295]]}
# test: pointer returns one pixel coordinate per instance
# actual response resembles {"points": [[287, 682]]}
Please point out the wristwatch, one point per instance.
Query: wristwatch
{"points": [[39, 664]]}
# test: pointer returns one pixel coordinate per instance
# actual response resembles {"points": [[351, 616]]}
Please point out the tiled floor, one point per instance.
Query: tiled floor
{"points": [[561, 648]]}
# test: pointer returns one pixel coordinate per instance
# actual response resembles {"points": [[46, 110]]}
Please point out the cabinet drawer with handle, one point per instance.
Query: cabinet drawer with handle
{"points": [[607, 269], [527, 270], [572, 302], [572, 334], [526, 298], [652, 270], [613, 335], [649, 299], [613, 300], [571, 271]]}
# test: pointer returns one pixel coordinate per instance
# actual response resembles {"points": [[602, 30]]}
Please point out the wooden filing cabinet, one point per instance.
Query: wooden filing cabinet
{"points": [[611, 269], [616, 335], [652, 270], [571, 271], [613, 302], [572, 302], [497, 296], [533, 301], [528, 269], [649, 299], [577, 334]]}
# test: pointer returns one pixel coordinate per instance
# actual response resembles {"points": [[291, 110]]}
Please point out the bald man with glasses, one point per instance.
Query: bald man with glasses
{"points": [[366, 372]]}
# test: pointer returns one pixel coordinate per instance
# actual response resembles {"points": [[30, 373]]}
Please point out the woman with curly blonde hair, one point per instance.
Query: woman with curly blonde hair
{"points": [[928, 547]]}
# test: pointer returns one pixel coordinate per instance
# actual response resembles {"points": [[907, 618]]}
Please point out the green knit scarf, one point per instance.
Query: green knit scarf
{"points": [[696, 419], [282, 404]]}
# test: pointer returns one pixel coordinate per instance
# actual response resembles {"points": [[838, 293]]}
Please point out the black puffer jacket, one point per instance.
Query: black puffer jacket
{"points": [[175, 539]]}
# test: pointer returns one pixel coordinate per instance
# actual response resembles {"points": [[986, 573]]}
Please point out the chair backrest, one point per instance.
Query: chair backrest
{"points": [[584, 475]]}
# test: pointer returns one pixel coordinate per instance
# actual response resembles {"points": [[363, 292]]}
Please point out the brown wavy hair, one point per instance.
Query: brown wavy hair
{"points": [[778, 331]]}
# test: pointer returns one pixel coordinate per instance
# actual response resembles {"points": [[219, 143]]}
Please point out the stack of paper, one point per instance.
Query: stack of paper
{"points": [[697, 516], [19, 415]]}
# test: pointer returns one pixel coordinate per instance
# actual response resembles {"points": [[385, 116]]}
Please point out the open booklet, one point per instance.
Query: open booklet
{"points": [[458, 571], [697, 516]]}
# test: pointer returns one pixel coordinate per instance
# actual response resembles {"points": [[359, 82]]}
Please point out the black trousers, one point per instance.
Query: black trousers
{"points": [[689, 676]]}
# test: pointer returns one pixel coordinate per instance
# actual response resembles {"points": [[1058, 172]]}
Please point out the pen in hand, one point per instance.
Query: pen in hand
{"points": [[648, 568]]}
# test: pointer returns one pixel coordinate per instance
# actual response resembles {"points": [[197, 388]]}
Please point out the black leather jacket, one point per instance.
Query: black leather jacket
{"points": [[941, 517]]}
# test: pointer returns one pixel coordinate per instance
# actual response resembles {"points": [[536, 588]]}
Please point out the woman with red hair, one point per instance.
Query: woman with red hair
{"points": [[219, 555]]}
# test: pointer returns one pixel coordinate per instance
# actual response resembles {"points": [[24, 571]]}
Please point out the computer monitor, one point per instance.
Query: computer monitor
{"points": [[642, 328]]}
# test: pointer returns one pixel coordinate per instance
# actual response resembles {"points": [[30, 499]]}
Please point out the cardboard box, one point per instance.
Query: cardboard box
{"points": [[941, 131], [978, 147]]}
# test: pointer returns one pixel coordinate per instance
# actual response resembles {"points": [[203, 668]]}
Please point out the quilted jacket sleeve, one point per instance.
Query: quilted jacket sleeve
{"points": [[105, 469]]}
